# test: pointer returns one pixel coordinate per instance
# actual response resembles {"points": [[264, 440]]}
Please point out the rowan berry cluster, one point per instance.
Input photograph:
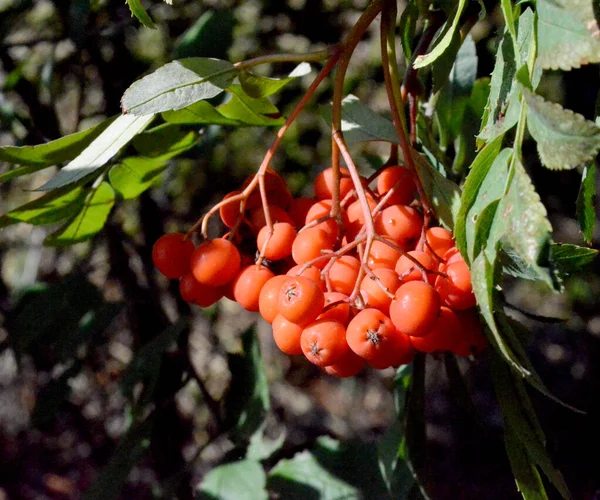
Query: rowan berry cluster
{"points": [[329, 292]]}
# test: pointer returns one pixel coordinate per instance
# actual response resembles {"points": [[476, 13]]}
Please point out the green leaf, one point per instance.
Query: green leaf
{"points": [[244, 479], [443, 194], [258, 86], [199, 113], [165, 141], [586, 202], [129, 452], [564, 139], [134, 175], [444, 39], [247, 401], [567, 34], [48, 209], [261, 447], [407, 28], [479, 169], [99, 151], [177, 85], [89, 221], [34, 158], [503, 107], [210, 36], [361, 124], [136, 8], [571, 258], [249, 111]]}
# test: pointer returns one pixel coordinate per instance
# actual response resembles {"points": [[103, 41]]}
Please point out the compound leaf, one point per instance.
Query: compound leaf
{"points": [[571, 258], [564, 139], [567, 33], [178, 84]]}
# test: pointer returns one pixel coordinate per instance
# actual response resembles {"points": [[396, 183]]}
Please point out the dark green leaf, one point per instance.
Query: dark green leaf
{"points": [[566, 33], [564, 139], [503, 107], [48, 209], [571, 258], [407, 27], [178, 84], [34, 158], [361, 124], [165, 141], [443, 193], [89, 221], [527, 477], [210, 36], [444, 39], [99, 151], [479, 170], [247, 401], [129, 452], [244, 479], [586, 202], [258, 86], [134, 175], [137, 9], [200, 113], [483, 226]]}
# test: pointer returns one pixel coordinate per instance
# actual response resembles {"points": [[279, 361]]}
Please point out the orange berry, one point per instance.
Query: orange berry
{"points": [[299, 208], [369, 333], [372, 293], [452, 255], [324, 184], [356, 217], [399, 223], [471, 340], [442, 336], [343, 274], [338, 312], [215, 262], [309, 245], [171, 255], [401, 180], [300, 300], [439, 240], [257, 219], [323, 342], [401, 353], [194, 292], [277, 191], [229, 213], [280, 243], [248, 285], [349, 366], [383, 255], [323, 209], [268, 300], [311, 272], [456, 291], [415, 308], [287, 335], [404, 266]]}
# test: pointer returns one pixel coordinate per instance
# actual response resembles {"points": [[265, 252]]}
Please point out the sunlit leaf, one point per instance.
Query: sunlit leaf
{"points": [[137, 9], [199, 113], [177, 85], [249, 111], [89, 221], [258, 86], [165, 141], [244, 479], [134, 175], [568, 34], [99, 151], [564, 139], [586, 202]]}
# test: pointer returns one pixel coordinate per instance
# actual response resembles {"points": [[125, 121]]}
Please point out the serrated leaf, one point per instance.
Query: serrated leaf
{"points": [[503, 107], [444, 39], [567, 33], [571, 258], [210, 36], [177, 85], [48, 209], [134, 175], [479, 169], [443, 193], [564, 139], [89, 221], [249, 111], [137, 10], [362, 124], [244, 479], [586, 202], [34, 158], [258, 86], [247, 401], [99, 151], [165, 141]]}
